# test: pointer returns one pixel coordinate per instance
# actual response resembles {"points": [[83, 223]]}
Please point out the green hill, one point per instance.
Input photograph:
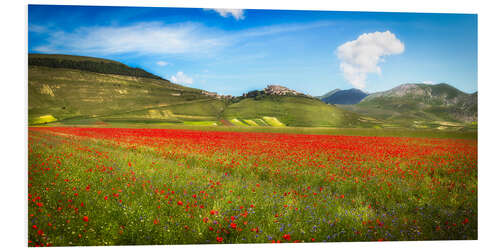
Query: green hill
{"points": [[73, 89], [76, 90], [86, 63], [420, 105], [297, 111]]}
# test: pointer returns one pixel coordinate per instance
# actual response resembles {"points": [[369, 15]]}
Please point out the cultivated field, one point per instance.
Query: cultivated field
{"points": [[123, 186]]}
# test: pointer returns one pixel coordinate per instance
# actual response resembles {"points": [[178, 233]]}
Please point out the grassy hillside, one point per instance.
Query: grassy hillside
{"points": [[74, 95], [421, 106], [293, 111], [74, 90], [91, 64]]}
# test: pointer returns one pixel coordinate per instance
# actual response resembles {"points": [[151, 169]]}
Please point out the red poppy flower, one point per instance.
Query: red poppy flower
{"points": [[85, 218]]}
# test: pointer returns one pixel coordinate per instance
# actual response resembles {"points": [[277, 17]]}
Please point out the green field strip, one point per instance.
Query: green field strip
{"points": [[237, 122], [251, 123], [273, 121]]}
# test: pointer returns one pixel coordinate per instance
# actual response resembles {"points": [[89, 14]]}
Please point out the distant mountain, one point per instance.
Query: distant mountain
{"points": [[349, 96], [328, 94], [415, 102]]}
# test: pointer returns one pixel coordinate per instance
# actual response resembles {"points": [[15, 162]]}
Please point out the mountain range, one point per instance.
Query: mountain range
{"points": [[65, 89], [417, 102]]}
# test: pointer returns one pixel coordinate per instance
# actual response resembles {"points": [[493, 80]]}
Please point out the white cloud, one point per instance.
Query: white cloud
{"points": [[143, 38], [363, 55], [154, 38], [428, 82], [37, 28], [162, 63], [238, 14], [181, 78]]}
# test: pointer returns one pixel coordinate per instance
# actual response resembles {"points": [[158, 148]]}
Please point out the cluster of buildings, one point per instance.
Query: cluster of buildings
{"points": [[269, 90], [280, 90]]}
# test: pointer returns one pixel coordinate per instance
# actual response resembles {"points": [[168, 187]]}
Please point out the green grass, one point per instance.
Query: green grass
{"points": [[43, 119], [260, 122], [237, 122], [273, 121], [67, 94], [251, 123], [293, 111], [200, 123], [129, 192]]}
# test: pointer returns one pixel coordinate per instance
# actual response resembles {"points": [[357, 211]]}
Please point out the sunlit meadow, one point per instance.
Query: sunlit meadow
{"points": [[116, 186]]}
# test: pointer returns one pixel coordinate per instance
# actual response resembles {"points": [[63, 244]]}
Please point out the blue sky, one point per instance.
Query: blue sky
{"points": [[235, 51]]}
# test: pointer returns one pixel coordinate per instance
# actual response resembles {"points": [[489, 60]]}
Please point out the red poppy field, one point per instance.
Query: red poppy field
{"points": [[117, 186]]}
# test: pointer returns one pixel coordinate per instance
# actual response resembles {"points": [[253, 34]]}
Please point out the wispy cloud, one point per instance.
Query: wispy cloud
{"points": [[153, 38], [181, 78], [143, 38], [237, 14], [282, 28], [162, 63], [428, 82], [37, 28], [363, 55]]}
